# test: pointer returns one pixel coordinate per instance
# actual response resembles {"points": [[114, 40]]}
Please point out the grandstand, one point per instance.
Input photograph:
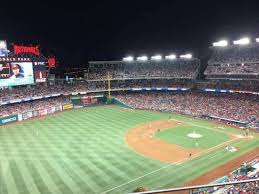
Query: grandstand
{"points": [[234, 62], [146, 90], [177, 68]]}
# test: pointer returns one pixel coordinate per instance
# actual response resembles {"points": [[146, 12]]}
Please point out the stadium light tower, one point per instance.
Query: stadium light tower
{"points": [[257, 39], [242, 41], [142, 58], [156, 57], [170, 57], [186, 56], [129, 58], [221, 43]]}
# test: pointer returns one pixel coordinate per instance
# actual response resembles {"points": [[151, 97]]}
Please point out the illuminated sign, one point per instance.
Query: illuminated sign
{"points": [[52, 62], [14, 59], [40, 76], [3, 53], [39, 66], [3, 45], [26, 49]]}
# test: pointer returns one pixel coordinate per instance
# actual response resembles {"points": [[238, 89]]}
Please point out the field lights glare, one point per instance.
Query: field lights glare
{"points": [[242, 41], [221, 43], [142, 58], [156, 57], [129, 58], [186, 56], [170, 57]]}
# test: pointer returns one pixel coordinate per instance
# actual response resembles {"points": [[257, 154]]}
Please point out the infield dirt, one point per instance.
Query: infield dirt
{"points": [[141, 139]]}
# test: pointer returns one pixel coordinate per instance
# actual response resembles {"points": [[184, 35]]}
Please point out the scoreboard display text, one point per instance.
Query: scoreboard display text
{"points": [[85, 100]]}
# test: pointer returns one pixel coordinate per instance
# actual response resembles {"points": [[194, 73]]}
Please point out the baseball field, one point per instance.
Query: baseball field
{"points": [[110, 149]]}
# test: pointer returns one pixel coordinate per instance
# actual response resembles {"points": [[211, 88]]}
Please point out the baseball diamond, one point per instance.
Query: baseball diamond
{"points": [[129, 97], [108, 149]]}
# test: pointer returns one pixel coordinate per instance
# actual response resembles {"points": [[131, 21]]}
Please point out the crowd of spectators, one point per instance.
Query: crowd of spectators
{"points": [[83, 86], [247, 171], [244, 85], [235, 54], [16, 108], [23, 92], [234, 61], [187, 69], [246, 188], [239, 107], [232, 69]]}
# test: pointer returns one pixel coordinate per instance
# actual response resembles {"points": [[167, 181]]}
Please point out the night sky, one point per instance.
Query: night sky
{"points": [[77, 31]]}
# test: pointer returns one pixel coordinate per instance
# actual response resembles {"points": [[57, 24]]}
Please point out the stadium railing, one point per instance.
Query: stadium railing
{"points": [[197, 189]]}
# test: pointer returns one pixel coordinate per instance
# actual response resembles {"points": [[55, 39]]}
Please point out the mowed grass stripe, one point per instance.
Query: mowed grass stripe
{"points": [[87, 177], [18, 178], [61, 171], [80, 181], [103, 173], [90, 144], [29, 181], [94, 176], [8, 178], [3, 170], [39, 181], [54, 180], [56, 177]]}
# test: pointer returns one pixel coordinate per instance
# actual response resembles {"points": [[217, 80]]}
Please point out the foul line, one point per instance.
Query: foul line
{"points": [[137, 178]]}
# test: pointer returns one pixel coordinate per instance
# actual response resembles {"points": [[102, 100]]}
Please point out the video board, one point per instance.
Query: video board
{"points": [[3, 48], [16, 73]]}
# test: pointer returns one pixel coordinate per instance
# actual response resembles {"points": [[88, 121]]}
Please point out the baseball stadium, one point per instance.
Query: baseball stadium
{"points": [[139, 125]]}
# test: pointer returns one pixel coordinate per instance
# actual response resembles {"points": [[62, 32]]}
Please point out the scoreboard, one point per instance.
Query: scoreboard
{"points": [[40, 71], [86, 100], [23, 66], [16, 71]]}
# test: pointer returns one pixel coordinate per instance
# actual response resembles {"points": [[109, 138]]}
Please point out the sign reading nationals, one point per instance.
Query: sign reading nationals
{"points": [[26, 49]]}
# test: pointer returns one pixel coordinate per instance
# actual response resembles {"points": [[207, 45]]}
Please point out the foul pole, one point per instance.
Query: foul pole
{"points": [[109, 86]]}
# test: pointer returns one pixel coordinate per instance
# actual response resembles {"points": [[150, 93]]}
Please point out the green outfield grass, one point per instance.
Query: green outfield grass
{"points": [[83, 151], [179, 136]]}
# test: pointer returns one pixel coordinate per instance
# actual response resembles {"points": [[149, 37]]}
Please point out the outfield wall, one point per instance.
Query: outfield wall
{"points": [[119, 103], [102, 100], [33, 113], [8, 119]]}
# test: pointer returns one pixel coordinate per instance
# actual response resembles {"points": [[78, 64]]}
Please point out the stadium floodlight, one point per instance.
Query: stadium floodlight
{"points": [[156, 57], [221, 43], [170, 57], [186, 56], [129, 58], [142, 58], [242, 41], [257, 40]]}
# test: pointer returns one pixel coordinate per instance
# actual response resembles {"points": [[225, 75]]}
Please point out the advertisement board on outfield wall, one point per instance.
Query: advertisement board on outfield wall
{"points": [[9, 119], [78, 106], [67, 106], [43, 112]]}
